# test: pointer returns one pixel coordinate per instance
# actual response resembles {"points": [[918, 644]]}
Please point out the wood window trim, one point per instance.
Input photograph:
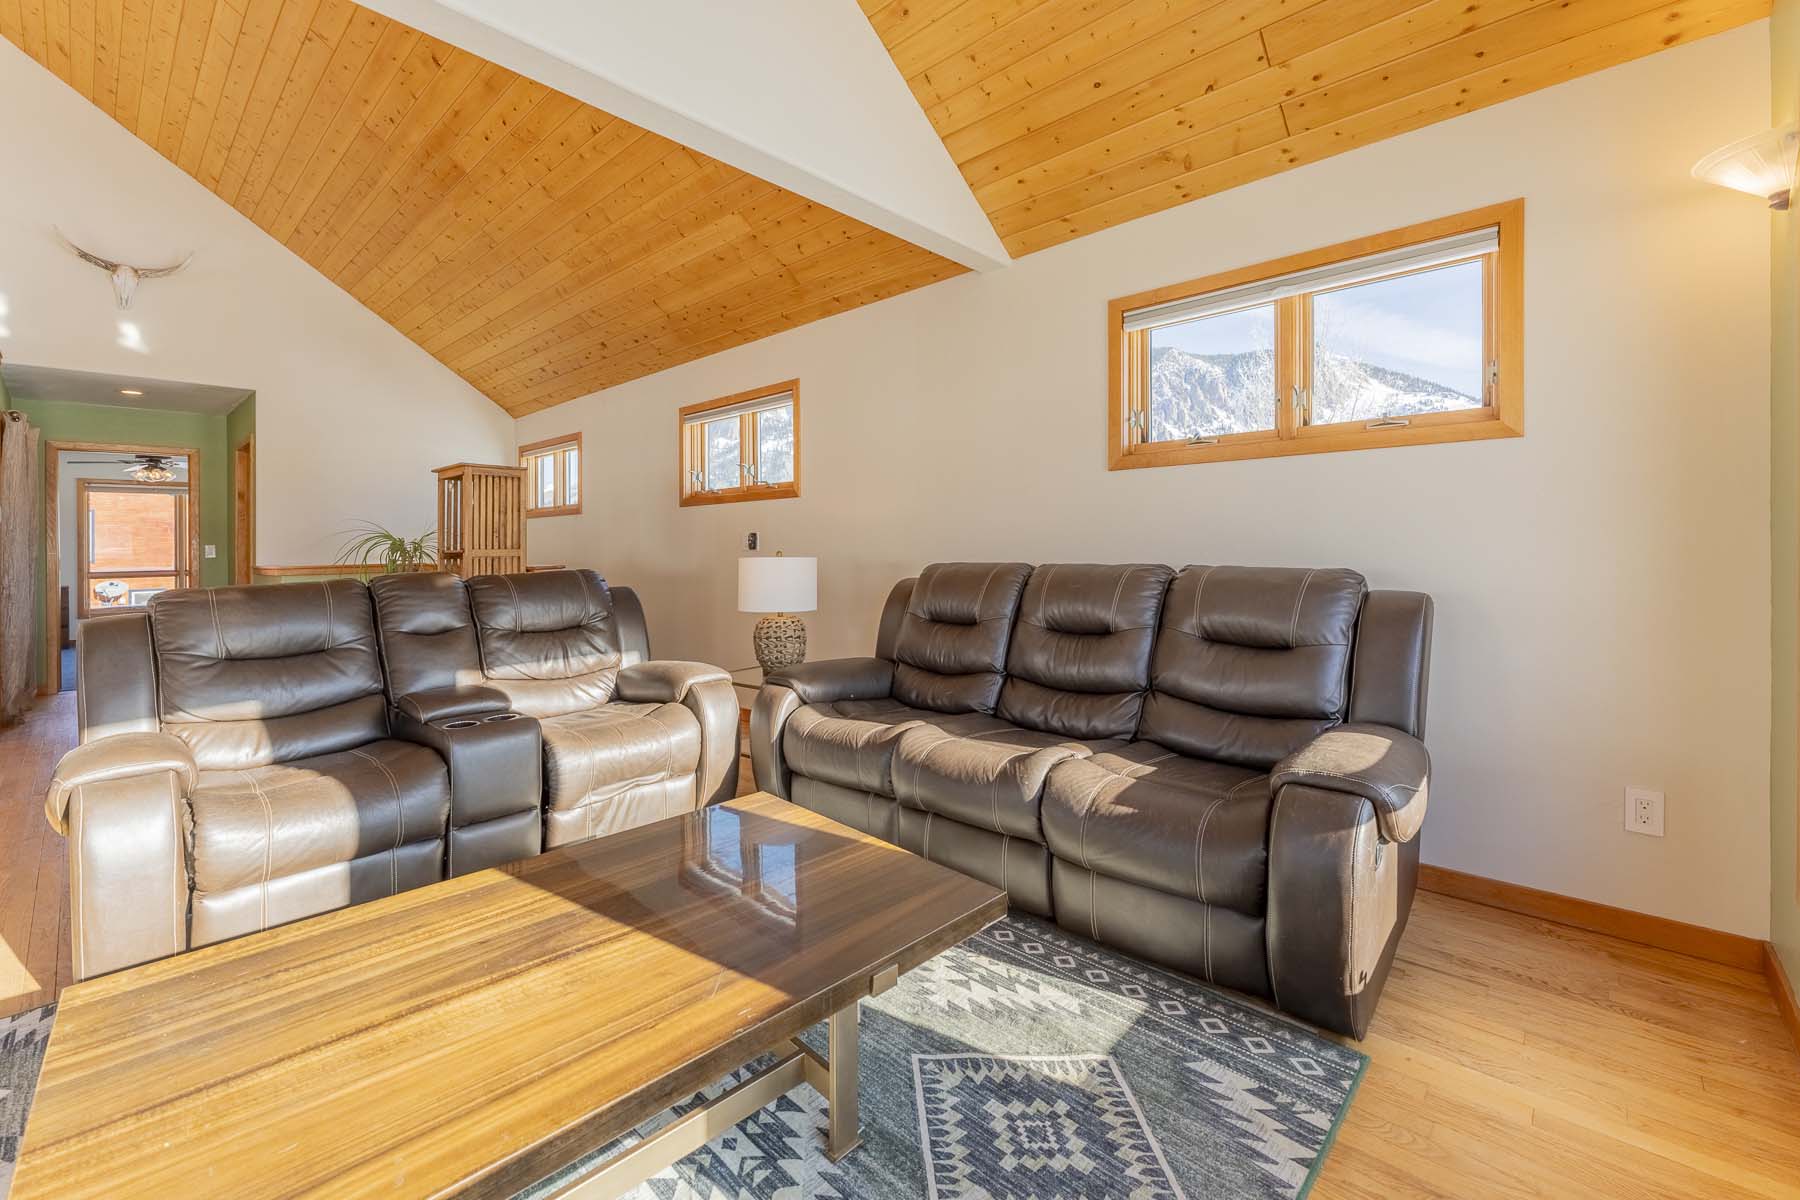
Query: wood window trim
{"points": [[182, 572], [1127, 354], [689, 450], [533, 449]]}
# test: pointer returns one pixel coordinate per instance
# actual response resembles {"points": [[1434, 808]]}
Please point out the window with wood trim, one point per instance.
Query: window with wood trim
{"points": [[1400, 339], [552, 476], [742, 447], [132, 542]]}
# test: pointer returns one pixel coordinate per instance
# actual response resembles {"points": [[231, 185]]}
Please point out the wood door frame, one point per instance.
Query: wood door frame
{"points": [[243, 510], [53, 450], [185, 571]]}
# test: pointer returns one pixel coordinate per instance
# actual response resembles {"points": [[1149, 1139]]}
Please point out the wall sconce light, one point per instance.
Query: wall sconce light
{"points": [[1762, 165]]}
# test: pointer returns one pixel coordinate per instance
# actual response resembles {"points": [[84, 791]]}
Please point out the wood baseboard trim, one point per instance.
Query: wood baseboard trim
{"points": [[1783, 987], [1714, 945]]}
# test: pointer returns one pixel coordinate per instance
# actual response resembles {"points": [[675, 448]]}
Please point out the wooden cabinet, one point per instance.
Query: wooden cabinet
{"points": [[481, 519]]}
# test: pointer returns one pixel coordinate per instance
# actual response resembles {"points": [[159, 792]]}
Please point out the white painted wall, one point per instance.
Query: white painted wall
{"points": [[1602, 584], [801, 93], [351, 416]]}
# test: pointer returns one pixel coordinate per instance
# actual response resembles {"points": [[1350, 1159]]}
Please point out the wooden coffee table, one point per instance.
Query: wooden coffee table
{"points": [[472, 1037]]}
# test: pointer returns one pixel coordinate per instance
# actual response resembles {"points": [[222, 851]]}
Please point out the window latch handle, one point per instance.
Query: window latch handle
{"points": [[1388, 423], [1203, 441], [1299, 401]]}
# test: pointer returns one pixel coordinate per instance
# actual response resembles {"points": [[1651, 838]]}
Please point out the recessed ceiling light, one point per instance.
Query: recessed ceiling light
{"points": [[129, 392]]}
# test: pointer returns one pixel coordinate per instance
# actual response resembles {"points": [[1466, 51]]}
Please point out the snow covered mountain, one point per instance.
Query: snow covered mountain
{"points": [[1206, 394]]}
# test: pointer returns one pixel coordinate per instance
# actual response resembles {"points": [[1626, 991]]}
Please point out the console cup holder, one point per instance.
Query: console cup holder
{"points": [[508, 716], [463, 723]]}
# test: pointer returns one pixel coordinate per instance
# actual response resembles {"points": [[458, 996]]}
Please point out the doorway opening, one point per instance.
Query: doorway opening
{"points": [[122, 524], [138, 486]]}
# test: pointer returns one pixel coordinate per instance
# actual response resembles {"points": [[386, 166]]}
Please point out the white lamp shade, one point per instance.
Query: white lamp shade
{"points": [[778, 585], [1762, 165]]}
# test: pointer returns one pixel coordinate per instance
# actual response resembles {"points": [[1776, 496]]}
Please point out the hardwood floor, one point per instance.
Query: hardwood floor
{"points": [[34, 892], [1512, 1057]]}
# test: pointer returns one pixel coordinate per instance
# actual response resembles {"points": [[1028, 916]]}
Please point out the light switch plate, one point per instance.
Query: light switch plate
{"points": [[212, 551]]}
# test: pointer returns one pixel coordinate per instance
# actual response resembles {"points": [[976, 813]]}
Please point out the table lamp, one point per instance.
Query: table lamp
{"points": [[779, 586]]}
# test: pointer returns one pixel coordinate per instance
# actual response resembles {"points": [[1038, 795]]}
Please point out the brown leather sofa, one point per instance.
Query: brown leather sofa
{"points": [[253, 755], [626, 741], [1218, 769]]}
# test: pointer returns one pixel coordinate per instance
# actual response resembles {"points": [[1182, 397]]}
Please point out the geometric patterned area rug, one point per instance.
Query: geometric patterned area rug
{"points": [[1028, 1064], [1024, 1064], [22, 1040]]}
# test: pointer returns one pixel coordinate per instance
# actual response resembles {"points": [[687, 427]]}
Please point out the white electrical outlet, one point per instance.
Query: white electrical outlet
{"points": [[1643, 811], [212, 552]]}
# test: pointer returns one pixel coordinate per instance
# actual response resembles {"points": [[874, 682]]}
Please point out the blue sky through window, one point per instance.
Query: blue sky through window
{"points": [[1427, 324]]}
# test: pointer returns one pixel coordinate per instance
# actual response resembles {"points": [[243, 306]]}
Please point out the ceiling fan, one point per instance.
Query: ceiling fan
{"points": [[145, 468]]}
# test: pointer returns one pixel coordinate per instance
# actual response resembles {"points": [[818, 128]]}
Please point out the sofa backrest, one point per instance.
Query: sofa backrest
{"points": [[1251, 662], [1079, 663], [549, 640], [427, 632], [1392, 664], [949, 649], [248, 676]]}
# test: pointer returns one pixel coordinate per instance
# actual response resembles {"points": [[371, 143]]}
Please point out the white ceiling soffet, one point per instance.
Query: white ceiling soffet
{"points": [[801, 93]]}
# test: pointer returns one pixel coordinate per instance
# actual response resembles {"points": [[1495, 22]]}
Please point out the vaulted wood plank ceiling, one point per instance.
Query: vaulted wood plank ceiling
{"points": [[537, 246], [1069, 116]]}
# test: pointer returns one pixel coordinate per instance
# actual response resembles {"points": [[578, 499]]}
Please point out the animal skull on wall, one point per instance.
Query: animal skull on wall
{"points": [[125, 277]]}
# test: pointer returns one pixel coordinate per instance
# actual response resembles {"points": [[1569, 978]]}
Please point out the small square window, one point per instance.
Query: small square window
{"points": [[744, 446]]}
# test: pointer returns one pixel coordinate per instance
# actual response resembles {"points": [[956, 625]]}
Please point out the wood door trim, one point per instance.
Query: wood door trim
{"points": [[243, 510]]}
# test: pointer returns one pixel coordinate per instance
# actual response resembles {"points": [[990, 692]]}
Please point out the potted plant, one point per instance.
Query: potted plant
{"points": [[374, 545]]}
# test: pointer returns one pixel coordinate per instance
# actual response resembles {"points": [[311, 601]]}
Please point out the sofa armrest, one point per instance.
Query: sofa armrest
{"points": [[708, 693], [1388, 768], [122, 756], [769, 714], [495, 758], [122, 802], [441, 704], [666, 681], [837, 679]]}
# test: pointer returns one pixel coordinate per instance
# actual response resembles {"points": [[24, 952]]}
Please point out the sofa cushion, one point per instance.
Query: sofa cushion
{"points": [[253, 825], [1149, 816], [254, 675], [548, 639], [851, 742], [598, 753], [1251, 663], [989, 778], [1080, 656], [950, 649]]}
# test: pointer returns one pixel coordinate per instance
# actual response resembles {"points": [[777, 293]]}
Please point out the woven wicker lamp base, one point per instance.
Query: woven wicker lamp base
{"points": [[780, 640]]}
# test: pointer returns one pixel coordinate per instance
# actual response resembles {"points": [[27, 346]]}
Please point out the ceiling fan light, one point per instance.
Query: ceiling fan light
{"points": [[152, 473], [1761, 165]]}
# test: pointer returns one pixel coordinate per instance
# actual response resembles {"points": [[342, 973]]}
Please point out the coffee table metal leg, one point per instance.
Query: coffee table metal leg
{"points": [[846, 1122], [834, 1078]]}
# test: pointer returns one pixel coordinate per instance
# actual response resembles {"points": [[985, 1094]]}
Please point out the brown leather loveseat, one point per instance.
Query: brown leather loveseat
{"points": [[253, 755], [1218, 769]]}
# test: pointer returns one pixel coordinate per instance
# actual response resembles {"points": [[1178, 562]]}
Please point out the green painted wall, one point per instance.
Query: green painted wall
{"points": [[1784, 515], [205, 432]]}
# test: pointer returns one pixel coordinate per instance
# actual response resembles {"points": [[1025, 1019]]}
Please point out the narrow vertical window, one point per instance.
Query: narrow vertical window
{"points": [[552, 476]]}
